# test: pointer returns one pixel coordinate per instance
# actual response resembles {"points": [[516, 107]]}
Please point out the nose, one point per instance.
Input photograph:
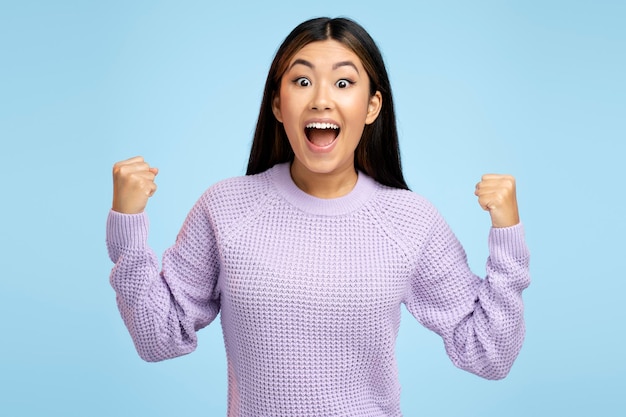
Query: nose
{"points": [[322, 99]]}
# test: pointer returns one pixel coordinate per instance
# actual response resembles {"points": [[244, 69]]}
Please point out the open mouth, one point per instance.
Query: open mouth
{"points": [[321, 134]]}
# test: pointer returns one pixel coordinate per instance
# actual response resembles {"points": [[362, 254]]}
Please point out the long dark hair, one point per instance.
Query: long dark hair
{"points": [[378, 152]]}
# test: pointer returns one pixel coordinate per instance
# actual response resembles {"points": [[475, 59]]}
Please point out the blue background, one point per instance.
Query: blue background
{"points": [[532, 88]]}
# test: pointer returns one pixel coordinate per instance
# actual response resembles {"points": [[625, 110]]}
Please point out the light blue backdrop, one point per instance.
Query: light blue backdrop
{"points": [[532, 88]]}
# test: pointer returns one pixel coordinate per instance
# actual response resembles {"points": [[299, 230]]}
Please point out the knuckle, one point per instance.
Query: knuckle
{"points": [[123, 169], [117, 167]]}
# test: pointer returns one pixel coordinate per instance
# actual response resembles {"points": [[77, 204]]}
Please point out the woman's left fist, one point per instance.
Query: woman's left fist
{"points": [[496, 194]]}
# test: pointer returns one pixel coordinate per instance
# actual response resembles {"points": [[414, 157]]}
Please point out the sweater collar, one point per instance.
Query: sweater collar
{"points": [[354, 200]]}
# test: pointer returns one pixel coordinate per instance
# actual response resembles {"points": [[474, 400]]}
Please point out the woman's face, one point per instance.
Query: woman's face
{"points": [[324, 104]]}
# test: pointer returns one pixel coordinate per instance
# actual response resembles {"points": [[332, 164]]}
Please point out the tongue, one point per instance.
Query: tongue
{"points": [[322, 137]]}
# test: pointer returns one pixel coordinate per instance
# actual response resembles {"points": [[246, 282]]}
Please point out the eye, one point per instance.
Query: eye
{"points": [[302, 82], [343, 83]]}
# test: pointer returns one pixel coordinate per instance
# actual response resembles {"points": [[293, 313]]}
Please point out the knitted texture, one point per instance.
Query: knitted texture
{"points": [[309, 292]]}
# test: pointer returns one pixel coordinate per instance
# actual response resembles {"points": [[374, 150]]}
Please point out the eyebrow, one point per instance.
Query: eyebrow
{"points": [[335, 66]]}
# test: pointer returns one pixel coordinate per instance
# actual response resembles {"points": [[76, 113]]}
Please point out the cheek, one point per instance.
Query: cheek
{"points": [[287, 107], [356, 103], [289, 116]]}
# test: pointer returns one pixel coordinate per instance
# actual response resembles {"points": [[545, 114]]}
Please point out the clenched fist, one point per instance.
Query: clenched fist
{"points": [[496, 194], [133, 184]]}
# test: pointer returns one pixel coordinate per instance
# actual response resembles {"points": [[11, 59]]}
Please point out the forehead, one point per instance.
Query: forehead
{"points": [[326, 52]]}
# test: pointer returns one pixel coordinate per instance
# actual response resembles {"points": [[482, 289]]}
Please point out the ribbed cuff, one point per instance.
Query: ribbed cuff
{"points": [[507, 243], [127, 230]]}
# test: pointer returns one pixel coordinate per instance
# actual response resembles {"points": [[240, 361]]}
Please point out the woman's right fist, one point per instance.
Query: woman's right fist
{"points": [[133, 184]]}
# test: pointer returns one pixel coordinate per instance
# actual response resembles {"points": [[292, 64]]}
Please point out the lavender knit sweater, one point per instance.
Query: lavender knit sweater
{"points": [[310, 292]]}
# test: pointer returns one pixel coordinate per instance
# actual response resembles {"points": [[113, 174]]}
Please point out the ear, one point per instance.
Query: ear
{"points": [[276, 107], [374, 107]]}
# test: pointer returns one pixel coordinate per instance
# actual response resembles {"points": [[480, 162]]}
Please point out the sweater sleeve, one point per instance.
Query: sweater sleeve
{"points": [[163, 307], [480, 320]]}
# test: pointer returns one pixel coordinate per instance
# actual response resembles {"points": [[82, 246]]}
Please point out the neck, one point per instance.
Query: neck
{"points": [[324, 185]]}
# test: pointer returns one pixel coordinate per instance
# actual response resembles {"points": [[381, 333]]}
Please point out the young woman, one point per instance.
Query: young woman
{"points": [[310, 256]]}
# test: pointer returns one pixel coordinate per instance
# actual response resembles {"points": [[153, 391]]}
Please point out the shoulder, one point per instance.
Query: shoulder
{"points": [[236, 196], [238, 188], [405, 206], [230, 204], [407, 217]]}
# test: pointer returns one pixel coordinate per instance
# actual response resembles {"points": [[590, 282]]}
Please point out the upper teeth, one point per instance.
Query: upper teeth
{"points": [[322, 126]]}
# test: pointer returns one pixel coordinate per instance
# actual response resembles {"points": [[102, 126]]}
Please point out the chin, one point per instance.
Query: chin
{"points": [[329, 167]]}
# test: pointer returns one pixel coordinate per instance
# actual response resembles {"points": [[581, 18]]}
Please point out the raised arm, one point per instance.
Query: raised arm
{"points": [[162, 305], [480, 320]]}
